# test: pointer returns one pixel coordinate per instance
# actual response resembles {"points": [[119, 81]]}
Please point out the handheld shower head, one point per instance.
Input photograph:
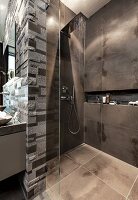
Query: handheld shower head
{"points": [[47, 4]]}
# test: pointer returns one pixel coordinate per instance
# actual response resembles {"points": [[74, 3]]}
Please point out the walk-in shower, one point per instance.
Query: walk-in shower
{"points": [[89, 57]]}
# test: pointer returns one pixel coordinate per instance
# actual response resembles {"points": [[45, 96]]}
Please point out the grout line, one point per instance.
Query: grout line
{"points": [[65, 177], [80, 165], [92, 157], [117, 159], [99, 152], [78, 147], [104, 182], [132, 187]]}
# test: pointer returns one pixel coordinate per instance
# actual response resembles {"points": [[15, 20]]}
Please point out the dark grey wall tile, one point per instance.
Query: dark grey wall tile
{"points": [[113, 129], [121, 116], [121, 143], [93, 134], [111, 46]]}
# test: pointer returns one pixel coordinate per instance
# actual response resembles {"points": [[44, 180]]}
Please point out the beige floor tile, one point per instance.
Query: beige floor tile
{"points": [[117, 174], [53, 178], [82, 154], [67, 165], [134, 192], [53, 196], [91, 149], [82, 185], [44, 196], [53, 164]]}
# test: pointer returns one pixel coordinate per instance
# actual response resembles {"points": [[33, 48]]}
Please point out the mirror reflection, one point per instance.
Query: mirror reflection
{"points": [[7, 60]]}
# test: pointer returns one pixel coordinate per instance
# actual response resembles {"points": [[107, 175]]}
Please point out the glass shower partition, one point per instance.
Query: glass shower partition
{"points": [[52, 93], [65, 90]]}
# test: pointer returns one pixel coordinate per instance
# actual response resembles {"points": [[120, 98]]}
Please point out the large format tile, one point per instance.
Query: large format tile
{"points": [[114, 172], [53, 174], [93, 133], [83, 185], [93, 151], [49, 195], [67, 165], [53, 178], [44, 196], [82, 154], [134, 192], [121, 143]]}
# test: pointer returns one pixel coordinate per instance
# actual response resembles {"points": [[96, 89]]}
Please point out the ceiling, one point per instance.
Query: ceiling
{"points": [[87, 7], [3, 13]]}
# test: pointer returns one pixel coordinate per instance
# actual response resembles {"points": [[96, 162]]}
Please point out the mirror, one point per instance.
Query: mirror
{"points": [[11, 53], [7, 60]]}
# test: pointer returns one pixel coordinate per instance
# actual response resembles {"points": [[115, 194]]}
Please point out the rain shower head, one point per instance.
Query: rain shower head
{"points": [[66, 34]]}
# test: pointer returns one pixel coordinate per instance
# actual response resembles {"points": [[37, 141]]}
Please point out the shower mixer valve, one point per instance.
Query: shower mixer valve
{"points": [[65, 94]]}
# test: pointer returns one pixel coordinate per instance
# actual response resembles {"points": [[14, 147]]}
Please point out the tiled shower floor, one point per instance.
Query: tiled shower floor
{"points": [[89, 174]]}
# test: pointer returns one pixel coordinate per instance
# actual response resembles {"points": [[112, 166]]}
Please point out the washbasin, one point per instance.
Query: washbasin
{"points": [[4, 118]]}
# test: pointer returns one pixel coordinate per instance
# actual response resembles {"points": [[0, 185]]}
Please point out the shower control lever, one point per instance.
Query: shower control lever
{"points": [[66, 98]]}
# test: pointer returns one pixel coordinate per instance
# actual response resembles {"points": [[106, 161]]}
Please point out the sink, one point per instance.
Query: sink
{"points": [[2, 107], [4, 118]]}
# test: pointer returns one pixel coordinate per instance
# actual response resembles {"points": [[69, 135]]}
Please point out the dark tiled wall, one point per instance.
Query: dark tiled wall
{"points": [[72, 72], [112, 64], [111, 47], [52, 81], [113, 129], [71, 59]]}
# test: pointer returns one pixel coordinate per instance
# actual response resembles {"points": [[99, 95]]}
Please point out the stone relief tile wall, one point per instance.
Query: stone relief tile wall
{"points": [[36, 130], [17, 99], [30, 17]]}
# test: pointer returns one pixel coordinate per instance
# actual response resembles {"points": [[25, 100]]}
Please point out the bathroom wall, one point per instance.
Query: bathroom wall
{"points": [[52, 82], [1, 68], [30, 17], [72, 72], [111, 47], [111, 64]]}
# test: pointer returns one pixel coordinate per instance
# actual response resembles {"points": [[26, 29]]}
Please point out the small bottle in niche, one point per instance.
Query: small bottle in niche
{"points": [[107, 98], [97, 99], [104, 100]]}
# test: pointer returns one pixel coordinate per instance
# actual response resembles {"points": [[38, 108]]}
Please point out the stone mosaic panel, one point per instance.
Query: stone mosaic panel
{"points": [[30, 17]]}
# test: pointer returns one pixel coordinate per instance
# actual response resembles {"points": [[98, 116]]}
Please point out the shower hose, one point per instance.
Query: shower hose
{"points": [[73, 108]]}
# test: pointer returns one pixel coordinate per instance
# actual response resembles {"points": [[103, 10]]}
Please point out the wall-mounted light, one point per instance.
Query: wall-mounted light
{"points": [[51, 21], [2, 7]]}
